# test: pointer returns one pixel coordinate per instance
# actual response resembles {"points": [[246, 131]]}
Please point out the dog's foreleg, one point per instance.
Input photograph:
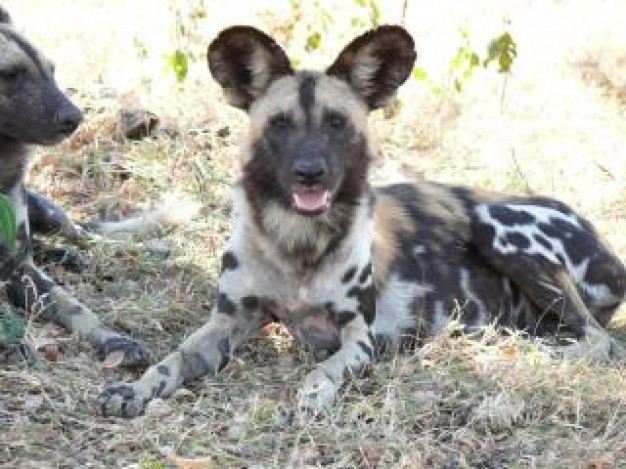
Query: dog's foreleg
{"points": [[30, 288], [206, 351], [355, 353], [46, 217]]}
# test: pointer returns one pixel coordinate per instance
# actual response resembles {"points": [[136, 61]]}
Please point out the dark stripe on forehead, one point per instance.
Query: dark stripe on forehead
{"points": [[27, 48], [306, 94]]}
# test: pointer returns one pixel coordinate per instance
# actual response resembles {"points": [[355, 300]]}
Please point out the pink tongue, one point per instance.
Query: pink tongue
{"points": [[310, 200]]}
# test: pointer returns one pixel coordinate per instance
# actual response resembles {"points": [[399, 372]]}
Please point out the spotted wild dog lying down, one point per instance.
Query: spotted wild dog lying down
{"points": [[346, 267], [34, 111]]}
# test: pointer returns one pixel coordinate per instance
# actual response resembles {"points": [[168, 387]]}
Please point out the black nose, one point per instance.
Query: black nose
{"points": [[310, 171], [68, 119]]}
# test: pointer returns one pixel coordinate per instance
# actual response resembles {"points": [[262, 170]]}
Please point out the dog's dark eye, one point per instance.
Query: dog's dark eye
{"points": [[335, 120], [10, 74], [281, 121]]}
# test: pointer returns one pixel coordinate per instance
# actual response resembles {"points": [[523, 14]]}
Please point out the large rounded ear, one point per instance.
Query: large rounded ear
{"points": [[5, 18], [376, 63], [244, 61]]}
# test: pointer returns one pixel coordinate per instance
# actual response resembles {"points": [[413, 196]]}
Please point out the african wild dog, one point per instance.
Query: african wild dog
{"points": [[346, 268], [34, 111]]}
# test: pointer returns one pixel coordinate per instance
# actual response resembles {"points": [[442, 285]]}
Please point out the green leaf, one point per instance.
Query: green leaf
{"points": [[375, 14], [8, 223], [420, 74], [437, 90], [313, 41], [179, 63], [140, 48], [504, 50], [357, 22], [457, 60], [458, 86]]}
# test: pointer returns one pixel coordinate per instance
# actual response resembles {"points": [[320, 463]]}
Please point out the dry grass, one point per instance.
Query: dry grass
{"points": [[494, 402]]}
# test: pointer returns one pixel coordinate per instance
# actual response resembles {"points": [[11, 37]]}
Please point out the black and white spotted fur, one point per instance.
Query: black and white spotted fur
{"points": [[34, 111], [345, 267]]}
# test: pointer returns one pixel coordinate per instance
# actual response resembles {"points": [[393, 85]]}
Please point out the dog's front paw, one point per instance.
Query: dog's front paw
{"points": [[17, 351], [127, 400], [317, 392], [135, 353], [69, 258]]}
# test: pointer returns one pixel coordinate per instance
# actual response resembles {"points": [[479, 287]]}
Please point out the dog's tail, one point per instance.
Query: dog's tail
{"points": [[172, 210]]}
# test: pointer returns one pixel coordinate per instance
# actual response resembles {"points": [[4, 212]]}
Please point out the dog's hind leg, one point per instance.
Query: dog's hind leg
{"points": [[552, 291], [530, 248], [596, 343], [30, 288]]}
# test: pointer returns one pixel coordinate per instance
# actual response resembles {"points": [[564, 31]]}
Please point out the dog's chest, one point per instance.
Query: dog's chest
{"points": [[308, 297], [307, 301], [305, 306], [12, 167]]}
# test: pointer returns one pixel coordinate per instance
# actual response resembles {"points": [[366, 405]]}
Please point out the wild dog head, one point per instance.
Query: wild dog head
{"points": [[32, 108], [309, 147]]}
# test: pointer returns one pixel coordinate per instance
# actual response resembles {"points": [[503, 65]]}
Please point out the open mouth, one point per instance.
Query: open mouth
{"points": [[311, 201]]}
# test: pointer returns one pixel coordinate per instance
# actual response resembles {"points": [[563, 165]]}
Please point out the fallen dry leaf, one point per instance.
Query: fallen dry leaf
{"points": [[48, 160], [603, 462], [113, 359], [509, 352], [186, 463], [51, 329], [51, 352], [183, 394], [158, 408]]}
